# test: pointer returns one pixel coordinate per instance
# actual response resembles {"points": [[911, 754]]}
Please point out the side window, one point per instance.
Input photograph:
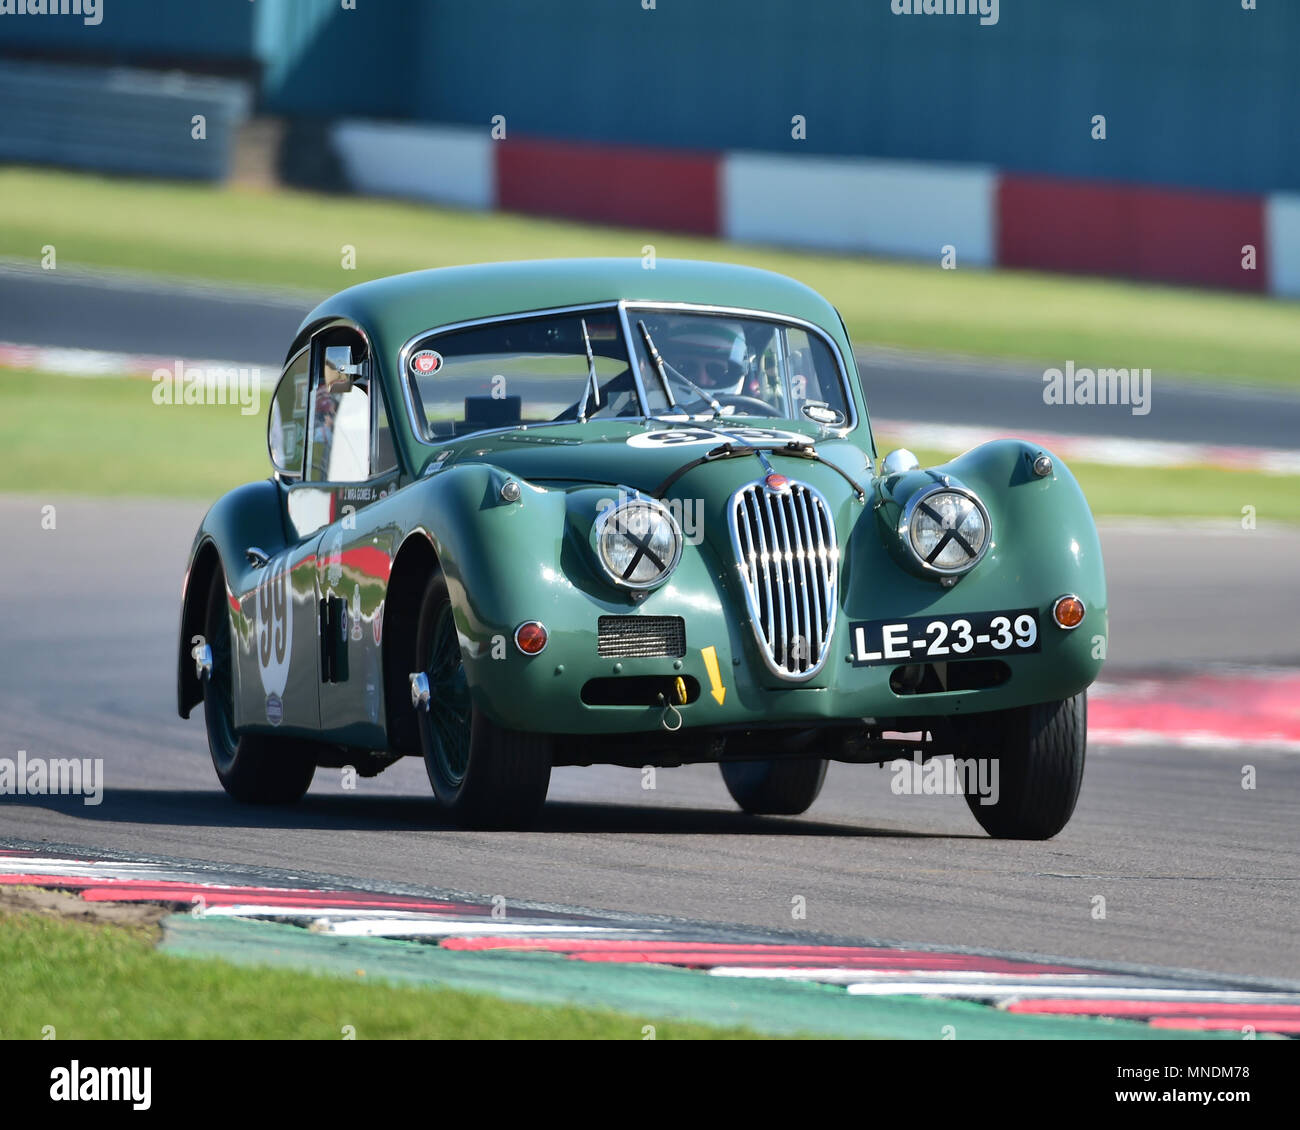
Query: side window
{"points": [[814, 378], [287, 427], [340, 418]]}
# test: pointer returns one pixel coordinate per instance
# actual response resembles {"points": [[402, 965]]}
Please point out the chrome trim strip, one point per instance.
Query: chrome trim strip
{"points": [[779, 563], [814, 632], [626, 323], [763, 561]]}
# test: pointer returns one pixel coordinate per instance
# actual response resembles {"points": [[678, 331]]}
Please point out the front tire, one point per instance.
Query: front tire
{"points": [[252, 768], [774, 788], [1040, 751], [483, 775]]}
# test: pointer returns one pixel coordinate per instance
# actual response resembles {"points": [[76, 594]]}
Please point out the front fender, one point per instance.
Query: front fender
{"points": [[502, 560], [1044, 545], [247, 515]]}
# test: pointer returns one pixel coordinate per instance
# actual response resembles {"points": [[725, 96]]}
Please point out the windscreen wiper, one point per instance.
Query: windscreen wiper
{"points": [[590, 394], [657, 361]]}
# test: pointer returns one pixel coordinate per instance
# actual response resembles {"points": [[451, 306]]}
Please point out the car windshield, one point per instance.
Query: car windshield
{"points": [[719, 366], [579, 366]]}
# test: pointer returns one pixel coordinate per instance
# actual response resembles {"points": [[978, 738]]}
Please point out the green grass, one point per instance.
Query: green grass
{"points": [[295, 239], [100, 982], [106, 436], [70, 435]]}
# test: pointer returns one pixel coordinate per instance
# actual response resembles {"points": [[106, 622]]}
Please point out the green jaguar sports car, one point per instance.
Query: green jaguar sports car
{"points": [[570, 512]]}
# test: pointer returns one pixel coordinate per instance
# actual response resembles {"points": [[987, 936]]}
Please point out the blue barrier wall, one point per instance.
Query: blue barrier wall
{"points": [[133, 30], [1195, 92]]}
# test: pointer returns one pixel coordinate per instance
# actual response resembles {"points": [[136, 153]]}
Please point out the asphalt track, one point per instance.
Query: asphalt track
{"points": [[1195, 871], [194, 321]]}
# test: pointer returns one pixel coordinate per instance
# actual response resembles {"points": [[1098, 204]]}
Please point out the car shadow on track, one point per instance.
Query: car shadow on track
{"points": [[213, 809]]}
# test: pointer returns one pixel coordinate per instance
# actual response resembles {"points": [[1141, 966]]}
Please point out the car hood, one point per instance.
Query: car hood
{"points": [[637, 455]]}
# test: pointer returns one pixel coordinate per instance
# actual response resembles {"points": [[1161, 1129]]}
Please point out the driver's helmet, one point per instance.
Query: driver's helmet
{"points": [[708, 352]]}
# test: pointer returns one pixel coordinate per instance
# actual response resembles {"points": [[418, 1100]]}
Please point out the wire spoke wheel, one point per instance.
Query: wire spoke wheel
{"points": [[255, 768], [483, 775], [450, 709], [219, 699]]}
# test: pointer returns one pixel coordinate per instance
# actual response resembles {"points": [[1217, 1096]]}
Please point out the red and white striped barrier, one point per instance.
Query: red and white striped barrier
{"points": [[908, 209]]}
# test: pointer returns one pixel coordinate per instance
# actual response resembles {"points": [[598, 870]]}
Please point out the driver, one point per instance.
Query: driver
{"points": [[710, 353]]}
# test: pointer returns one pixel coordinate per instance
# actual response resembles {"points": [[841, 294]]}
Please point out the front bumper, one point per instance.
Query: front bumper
{"points": [[545, 693]]}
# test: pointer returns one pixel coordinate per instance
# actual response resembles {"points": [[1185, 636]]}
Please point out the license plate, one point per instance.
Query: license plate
{"points": [[974, 635]]}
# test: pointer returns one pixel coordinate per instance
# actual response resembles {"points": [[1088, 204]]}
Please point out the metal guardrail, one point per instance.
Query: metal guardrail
{"points": [[119, 120]]}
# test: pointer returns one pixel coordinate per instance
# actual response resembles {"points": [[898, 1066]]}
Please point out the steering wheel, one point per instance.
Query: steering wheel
{"points": [[749, 405]]}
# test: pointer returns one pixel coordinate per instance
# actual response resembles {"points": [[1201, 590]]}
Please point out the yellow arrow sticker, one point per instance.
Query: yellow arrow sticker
{"points": [[715, 678]]}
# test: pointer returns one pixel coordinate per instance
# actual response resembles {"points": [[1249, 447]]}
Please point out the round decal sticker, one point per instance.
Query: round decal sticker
{"points": [[425, 362], [688, 437]]}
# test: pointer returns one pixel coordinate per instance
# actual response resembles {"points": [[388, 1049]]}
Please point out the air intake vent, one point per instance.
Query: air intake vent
{"points": [[646, 637], [788, 559]]}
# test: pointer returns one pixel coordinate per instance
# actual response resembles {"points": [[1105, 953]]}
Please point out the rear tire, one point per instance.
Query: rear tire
{"points": [[774, 788], [1040, 750], [252, 768], [483, 775]]}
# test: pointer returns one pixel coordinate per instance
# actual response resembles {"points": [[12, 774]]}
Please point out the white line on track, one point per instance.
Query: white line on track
{"points": [[1029, 990]]}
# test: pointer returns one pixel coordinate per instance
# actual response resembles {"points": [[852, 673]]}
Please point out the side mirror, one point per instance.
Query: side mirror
{"points": [[898, 461]]}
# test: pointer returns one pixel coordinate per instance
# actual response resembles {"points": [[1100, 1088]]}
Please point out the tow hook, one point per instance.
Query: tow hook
{"points": [[670, 712]]}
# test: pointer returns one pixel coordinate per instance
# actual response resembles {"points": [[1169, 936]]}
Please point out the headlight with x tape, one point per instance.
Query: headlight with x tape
{"points": [[638, 543], [947, 528]]}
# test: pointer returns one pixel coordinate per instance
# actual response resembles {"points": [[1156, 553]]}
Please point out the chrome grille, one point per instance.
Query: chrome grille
{"points": [[788, 559], [629, 637]]}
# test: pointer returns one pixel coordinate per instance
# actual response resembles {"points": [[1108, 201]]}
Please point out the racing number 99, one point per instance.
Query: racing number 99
{"points": [[273, 634]]}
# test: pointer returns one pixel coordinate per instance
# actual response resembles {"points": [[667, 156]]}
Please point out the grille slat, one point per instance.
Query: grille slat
{"points": [[768, 609], [808, 570], [777, 572], [641, 637], [787, 558]]}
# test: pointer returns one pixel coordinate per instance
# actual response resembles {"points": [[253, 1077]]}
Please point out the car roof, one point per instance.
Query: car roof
{"points": [[395, 309]]}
